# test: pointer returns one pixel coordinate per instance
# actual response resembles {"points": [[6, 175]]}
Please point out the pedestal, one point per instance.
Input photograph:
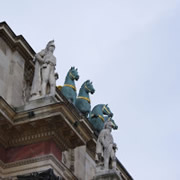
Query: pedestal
{"points": [[107, 175], [38, 103]]}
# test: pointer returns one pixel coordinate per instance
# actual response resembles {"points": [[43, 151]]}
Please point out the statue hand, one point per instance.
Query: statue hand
{"points": [[56, 76], [114, 146]]}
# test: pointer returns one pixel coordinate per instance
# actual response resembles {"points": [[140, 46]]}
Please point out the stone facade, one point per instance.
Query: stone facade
{"points": [[11, 74], [43, 134]]}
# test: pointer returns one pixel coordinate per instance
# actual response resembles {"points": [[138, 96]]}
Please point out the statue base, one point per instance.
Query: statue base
{"points": [[110, 174], [38, 103]]}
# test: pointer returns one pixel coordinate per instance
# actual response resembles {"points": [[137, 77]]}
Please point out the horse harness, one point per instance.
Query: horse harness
{"points": [[104, 107], [101, 117], [69, 85], [87, 88], [85, 98], [72, 75]]}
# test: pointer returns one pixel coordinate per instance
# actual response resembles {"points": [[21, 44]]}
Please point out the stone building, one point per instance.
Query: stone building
{"points": [[44, 138]]}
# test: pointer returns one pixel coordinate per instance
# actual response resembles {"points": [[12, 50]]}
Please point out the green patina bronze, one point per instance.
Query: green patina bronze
{"points": [[69, 88], [83, 102], [99, 115]]}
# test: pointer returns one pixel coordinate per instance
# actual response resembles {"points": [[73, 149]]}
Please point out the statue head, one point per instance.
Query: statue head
{"points": [[108, 124], [115, 127], [50, 46], [73, 73], [89, 87], [106, 110]]}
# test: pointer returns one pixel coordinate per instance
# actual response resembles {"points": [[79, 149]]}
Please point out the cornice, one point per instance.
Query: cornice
{"points": [[123, 170], [48, 122], [31, 164], [16, 42]]}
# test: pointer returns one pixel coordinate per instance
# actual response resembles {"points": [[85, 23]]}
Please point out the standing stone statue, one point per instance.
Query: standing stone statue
{"points": [[44, 81], [106, 148]]}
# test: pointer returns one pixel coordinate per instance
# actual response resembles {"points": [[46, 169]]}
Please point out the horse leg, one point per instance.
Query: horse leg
{"points": [[73, 100]]}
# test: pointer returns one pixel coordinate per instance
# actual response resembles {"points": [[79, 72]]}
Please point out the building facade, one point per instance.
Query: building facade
{"points": [[45, 138]]}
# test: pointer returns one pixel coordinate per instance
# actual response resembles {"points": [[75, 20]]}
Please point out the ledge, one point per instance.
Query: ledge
{"points": [[30, 165]]}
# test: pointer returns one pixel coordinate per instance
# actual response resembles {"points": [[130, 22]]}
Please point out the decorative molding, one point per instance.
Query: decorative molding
{"points": [[16, 42], [58, 113], [35, 164]]}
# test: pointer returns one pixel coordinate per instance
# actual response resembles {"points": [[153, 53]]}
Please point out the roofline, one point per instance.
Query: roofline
{"points": [[124, 169], [16, 42]]}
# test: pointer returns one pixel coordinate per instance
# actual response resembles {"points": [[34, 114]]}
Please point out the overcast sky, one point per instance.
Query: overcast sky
{"points": [[130, 50]]}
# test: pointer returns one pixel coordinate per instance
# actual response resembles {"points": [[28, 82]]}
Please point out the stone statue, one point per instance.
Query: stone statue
{"points": [[69, 88], [44, 81], [99, 115], [83, 102], [106, 148]]}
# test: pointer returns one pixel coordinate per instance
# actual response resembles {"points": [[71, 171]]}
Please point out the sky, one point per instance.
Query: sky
{"points": [[130, 51]]}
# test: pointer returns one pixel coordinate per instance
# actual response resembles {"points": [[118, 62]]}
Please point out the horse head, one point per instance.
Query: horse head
{"points": [[73, 73], [106, 110], [89, 87]]}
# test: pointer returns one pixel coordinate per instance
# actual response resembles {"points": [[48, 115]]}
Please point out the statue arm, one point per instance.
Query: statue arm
{"points": [[102, 139], [39, 56], [56, 76], [115, 146]]}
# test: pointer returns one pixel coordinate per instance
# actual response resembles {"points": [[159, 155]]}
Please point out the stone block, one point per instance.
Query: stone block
{"points": [[3, 46], [37, 103], [108, 175]]}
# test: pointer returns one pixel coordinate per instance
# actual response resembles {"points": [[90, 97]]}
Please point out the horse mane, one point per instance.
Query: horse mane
{"points": [[67, 75], [83, 86], [84, 83], [96, 106]]}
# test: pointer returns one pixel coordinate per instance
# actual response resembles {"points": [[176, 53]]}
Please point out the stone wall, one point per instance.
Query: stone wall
{"points": [[79, 161], [11, 75]]}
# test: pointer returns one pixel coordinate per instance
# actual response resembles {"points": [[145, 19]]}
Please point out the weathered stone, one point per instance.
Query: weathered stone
{"points": [[11, 75], [108, 175], [38, 103], [3, 46], [44, 81], [47, 175], [79, 161], [106, 148]]}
